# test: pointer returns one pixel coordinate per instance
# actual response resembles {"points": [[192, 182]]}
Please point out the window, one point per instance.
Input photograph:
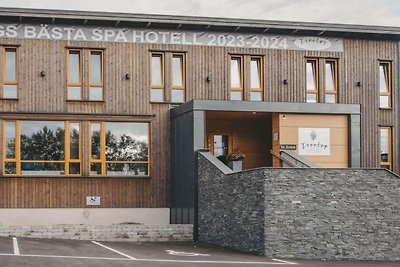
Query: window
{"points": [[326, 71], [385, 86], [256, 79], [236, 78], [386, 147], [331, 81], [176, 81], [75, 84], [119, 148], [10, 73], [41, 148], [246, 78], [312, 81]]}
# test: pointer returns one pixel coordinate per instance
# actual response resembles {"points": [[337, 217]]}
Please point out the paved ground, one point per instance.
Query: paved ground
{"points": [[29, 252]]}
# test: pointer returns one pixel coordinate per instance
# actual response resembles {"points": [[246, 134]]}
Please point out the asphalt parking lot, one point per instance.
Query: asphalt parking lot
{"points": [[49, 252]]}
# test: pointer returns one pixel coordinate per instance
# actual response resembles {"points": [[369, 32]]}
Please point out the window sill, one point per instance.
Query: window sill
{"points": [[385, 108], [84, 101], [74, 177], [12, 99]]}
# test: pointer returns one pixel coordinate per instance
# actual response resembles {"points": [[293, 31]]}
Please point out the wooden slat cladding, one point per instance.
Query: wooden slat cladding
{"points": [[361, 62], [358, 63]]}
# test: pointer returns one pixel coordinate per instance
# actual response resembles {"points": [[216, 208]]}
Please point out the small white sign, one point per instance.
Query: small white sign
{"points": [[314, 141], [93, 201]]}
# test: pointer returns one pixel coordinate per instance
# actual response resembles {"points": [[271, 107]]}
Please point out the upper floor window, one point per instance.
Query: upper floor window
{"points": [[312, 81], [160, 83], [119, 148], [327, 91], [246, 78], [331, 81], [92, 89], [256, 79], [385, 84], [41, 148], [236, 78], [386, 147], [10, 73]]}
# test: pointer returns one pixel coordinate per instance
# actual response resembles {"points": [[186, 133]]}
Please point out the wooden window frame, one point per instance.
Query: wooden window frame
{"points": [[162, 86], [17, 160], [388, 93], [261, 76], [241, 76], [102, 160], [101, 84], [390, 147], [316, 75], [73, 84], [335, 79], [183, 73], [16, 81]]}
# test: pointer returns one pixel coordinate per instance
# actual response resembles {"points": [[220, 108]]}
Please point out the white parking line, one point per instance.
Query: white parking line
{"points": [[149, 260], [285, 262], [113, 250], [16, 247]]}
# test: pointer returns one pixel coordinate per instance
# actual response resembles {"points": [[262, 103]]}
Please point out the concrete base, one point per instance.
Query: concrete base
{"points": [[88, 217]]}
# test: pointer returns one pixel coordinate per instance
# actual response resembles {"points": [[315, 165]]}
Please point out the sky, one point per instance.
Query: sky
{"points": [[364, 12]]}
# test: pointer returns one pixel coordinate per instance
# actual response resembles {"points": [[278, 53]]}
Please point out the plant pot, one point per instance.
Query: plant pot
{"points": [[236, 166]]}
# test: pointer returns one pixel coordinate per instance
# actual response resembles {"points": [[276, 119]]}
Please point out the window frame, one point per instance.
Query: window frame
{"points": [[335, 80], [4, 65], [183, 73], [315, 92], [102, 159], [389, 163], [240, 59], [388, 92], [75, 84], [161, 55], [17, 159], [261, 77], [96, 85]]}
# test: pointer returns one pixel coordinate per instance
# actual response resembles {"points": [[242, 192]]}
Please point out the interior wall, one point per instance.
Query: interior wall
{"points": [[251, 136]]}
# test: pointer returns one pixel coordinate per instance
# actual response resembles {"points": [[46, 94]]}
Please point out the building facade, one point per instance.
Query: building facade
{"points": [[101, 113]]}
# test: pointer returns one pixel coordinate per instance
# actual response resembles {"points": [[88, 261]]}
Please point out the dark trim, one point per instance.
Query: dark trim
{"points": [[168, 50], [258, 106], [11, 45], [85, 47], [105, 115], [72, 176]]}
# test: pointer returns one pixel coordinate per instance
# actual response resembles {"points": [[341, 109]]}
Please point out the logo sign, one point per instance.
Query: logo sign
{"points": [[178, 37], [314, 141], [288, 147], [93, 201], [313, 43]]}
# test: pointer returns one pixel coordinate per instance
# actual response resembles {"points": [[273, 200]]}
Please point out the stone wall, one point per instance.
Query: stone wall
{"points": [[120, 232], [301, 213]]}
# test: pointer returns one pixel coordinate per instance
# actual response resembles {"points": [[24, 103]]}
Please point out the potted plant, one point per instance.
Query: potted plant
{"points": [[235, 160]]}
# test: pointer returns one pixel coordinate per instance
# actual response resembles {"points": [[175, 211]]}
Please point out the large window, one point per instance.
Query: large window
{"points": [[385, 85], [236, 78], [119, 148], [10, 73], [386, 147], [168, 88], [41, 148], [95, 83]]}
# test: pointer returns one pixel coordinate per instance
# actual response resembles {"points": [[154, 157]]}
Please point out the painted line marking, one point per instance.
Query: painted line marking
{"points": [[285, 262], [185, 254], [147, 260], [113, 250], [16, 247]]}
